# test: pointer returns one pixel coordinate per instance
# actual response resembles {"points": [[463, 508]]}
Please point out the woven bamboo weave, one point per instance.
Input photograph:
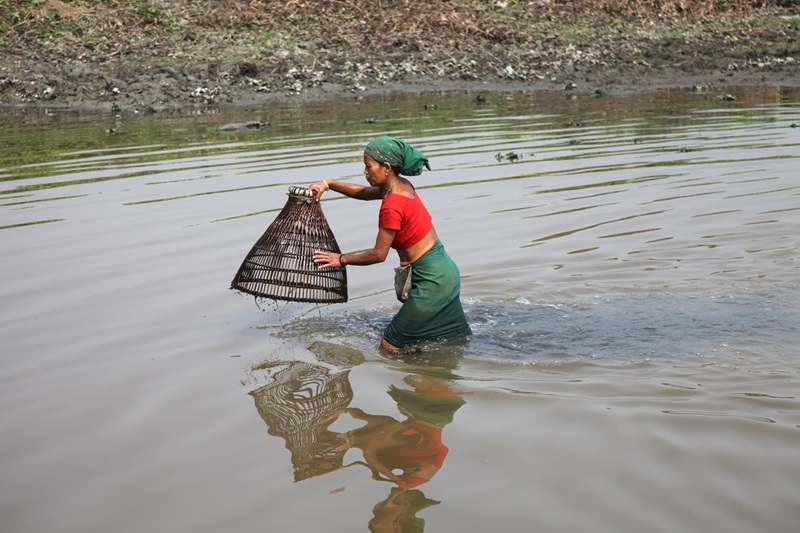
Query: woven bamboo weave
{"points": [[281, 266]]}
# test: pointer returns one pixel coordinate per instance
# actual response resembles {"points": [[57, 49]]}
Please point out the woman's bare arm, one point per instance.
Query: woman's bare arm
{"points": [[353, 190], [368, 257]]}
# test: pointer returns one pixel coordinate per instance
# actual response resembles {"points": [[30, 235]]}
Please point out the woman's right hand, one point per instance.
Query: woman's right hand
{"points": [[319, 188]]}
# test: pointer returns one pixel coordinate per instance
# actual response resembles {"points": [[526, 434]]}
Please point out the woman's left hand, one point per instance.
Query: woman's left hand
{"points": [[328, 259]]}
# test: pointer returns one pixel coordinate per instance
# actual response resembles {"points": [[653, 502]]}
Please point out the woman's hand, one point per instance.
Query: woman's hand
{"points": [[319, 188], [328, 259]]}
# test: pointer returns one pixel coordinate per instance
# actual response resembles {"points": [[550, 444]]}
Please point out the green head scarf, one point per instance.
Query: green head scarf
{"points": [[399, 154]]}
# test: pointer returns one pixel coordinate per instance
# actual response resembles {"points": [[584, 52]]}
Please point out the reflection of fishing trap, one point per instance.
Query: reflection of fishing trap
{"points": [[281, 266], [298, 405]]}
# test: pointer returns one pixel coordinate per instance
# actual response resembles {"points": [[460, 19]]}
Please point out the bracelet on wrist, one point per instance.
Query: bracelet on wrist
{"points": [[341, 260], [325, 182]]}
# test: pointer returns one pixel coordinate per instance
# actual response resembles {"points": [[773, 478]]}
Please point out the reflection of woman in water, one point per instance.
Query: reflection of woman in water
{"points": [[399, 511], [410, 452], [303, 400]]}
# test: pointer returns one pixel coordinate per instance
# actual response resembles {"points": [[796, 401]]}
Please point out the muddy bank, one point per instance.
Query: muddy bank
{"points": [[172, 85], [191, 66]]}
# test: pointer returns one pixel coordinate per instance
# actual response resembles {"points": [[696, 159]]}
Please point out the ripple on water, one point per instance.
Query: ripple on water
{"points": [[609, 328]]}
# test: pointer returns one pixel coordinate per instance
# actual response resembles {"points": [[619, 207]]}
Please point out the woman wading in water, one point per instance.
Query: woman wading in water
{"points": [[431, 295]]}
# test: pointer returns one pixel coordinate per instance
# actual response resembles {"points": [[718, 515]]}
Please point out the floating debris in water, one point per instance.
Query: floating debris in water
{"points": [[509, 156], [252, 125]]}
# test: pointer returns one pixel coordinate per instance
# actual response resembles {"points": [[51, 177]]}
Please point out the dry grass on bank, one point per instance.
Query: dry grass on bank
{"points": [[414, 24]]}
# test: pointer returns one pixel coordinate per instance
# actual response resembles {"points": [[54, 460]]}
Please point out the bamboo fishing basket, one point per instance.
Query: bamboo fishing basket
{"points": [[281, 266]]}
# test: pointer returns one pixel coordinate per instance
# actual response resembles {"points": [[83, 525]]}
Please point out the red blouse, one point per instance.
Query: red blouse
{"points": [[408, 217]]}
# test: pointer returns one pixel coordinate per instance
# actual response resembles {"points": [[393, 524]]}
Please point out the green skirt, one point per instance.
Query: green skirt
{"points": [[433, 309]]}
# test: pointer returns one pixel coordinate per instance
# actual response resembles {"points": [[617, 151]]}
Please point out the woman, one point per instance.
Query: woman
{"points": [[433, 308]]}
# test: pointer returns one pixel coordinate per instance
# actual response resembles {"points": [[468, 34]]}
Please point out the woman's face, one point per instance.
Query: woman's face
{"points": [[374, 171]]}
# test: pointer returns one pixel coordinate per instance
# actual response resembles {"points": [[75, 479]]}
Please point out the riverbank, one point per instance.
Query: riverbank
{"points": [[174, 57]]}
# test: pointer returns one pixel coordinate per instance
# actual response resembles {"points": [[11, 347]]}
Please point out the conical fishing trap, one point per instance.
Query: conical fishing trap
{"points": [[281, 266]]}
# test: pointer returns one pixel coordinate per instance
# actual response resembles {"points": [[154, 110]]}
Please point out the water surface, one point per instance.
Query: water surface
{"points": [[629, 267]]}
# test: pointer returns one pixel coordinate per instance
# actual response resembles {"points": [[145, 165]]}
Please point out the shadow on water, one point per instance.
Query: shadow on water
{"points": [[300, 401]]}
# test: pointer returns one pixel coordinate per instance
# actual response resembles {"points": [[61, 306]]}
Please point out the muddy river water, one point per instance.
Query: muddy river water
{"points": [[629, 269]]}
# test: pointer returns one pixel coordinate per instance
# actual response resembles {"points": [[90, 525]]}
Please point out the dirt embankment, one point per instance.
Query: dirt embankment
{"points": [[158, 54]]}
